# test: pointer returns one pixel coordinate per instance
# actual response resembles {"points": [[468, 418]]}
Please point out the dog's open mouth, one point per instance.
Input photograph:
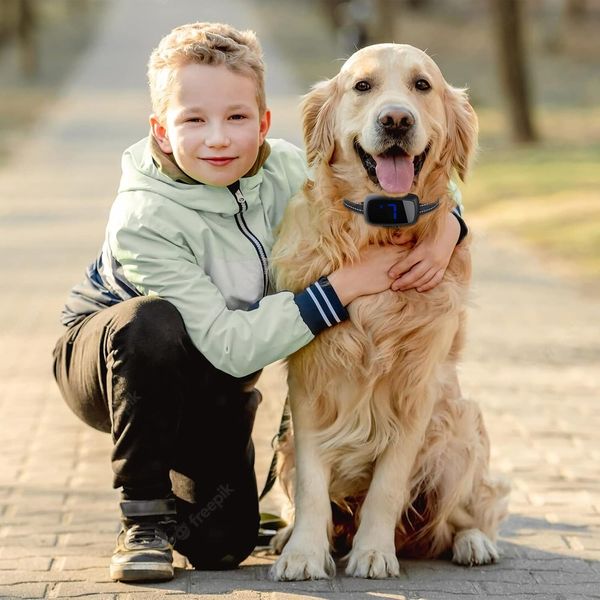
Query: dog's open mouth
{"points": [[395, 170]]}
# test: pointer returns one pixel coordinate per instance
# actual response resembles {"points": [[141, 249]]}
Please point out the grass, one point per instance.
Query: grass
{"points": [[548, 194]]}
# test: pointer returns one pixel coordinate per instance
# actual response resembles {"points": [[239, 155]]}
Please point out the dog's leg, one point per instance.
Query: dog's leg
{"points": [[306, 555], [473, 547], [373, 551], [474, 502]]}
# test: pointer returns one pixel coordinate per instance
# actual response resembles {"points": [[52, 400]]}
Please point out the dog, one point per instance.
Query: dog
{"points": [[386, 458]]}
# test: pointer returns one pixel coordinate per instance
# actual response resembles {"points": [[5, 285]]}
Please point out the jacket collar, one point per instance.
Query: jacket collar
{"points": [[167, 165]]}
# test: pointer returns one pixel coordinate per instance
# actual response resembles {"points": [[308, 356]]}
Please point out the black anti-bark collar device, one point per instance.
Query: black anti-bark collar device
{"points": [[387, 211]]}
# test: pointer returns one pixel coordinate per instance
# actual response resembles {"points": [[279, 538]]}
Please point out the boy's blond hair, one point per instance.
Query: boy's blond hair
{"points": [[209, 44]]}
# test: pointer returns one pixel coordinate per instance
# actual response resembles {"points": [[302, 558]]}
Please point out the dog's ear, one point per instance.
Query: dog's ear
{"points": [[318, 120], [461, 143]]}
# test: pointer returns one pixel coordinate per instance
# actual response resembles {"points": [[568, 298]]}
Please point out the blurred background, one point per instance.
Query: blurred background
{"points": [[532, 68]]}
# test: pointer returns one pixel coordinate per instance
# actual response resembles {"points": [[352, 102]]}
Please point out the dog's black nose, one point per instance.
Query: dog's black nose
{"points": [[396, 118]]}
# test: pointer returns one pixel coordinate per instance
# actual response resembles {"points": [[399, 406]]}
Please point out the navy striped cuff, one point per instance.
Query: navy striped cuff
{"points": [[320, 307], [463, 226]]}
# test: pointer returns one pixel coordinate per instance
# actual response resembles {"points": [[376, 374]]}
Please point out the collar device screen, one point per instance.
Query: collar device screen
{"points": [[391, 212]]}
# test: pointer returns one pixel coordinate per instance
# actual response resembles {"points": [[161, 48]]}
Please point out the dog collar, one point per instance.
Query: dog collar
{"points": [[387, 211]]}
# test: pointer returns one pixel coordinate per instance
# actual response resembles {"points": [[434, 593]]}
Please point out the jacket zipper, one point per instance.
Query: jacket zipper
{"points": [[243, 227]]}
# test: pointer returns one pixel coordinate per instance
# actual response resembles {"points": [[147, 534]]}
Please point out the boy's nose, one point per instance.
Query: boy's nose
{"points": [[216, 136]]}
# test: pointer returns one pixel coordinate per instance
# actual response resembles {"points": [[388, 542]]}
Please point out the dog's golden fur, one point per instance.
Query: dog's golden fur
{"points": [[381, 429]]}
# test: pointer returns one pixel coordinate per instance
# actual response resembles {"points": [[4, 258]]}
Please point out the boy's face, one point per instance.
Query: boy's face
{"points": [[212, 126]]}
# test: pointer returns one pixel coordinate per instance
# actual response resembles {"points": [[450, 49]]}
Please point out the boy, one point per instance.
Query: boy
{"points": [[170, 329]]}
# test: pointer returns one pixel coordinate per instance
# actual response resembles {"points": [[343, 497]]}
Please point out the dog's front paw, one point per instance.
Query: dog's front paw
{"points": [[473, 547], [372, 564], [295, 565]]}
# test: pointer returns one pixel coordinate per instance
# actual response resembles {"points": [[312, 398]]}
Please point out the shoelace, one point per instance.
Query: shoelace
{"points": [[144, 534]]}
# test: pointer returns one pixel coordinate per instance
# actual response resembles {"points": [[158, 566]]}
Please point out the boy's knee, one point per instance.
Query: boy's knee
{"points": [[215, 537], [151, 325], [218, 554]]}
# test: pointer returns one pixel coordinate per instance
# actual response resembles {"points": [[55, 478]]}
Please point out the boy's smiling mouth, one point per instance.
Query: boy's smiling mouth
{"points": [[219, 161]]}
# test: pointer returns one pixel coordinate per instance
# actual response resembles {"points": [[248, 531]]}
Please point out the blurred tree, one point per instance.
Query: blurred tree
{"points": [[576, 8], [17, 21], [552, 12], [383, 29], [508, 21], [351, 20], [26, 36]]}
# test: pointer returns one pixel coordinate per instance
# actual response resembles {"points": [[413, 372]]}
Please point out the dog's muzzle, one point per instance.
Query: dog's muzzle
{"points": [[394, 170]]}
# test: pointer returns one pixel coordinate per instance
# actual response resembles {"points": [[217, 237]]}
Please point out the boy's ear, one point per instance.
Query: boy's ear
{"points": [[265, 124], [159, 132]]}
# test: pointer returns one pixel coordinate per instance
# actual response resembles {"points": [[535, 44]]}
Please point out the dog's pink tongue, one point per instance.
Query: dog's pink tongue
{"points": [[395, 173]]}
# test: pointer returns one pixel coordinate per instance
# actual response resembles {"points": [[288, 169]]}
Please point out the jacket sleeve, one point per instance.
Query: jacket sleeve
{"points": [[457, 210], [235, 341]]}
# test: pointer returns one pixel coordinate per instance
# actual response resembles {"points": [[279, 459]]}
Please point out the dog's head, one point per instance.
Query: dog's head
{"points": [[390, 115]]}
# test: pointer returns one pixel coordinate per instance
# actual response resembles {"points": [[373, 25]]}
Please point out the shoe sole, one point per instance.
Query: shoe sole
{"points": [[142, 572]]}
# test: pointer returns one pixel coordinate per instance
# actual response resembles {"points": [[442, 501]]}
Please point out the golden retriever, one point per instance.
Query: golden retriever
{"points": [[388, 459]]}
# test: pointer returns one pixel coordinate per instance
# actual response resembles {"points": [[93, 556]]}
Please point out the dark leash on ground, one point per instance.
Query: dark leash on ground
{"points": [[269, 523]]}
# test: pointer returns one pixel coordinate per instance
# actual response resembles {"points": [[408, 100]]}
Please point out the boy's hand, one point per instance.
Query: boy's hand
{"points": [[368, 276], [424, 266]]}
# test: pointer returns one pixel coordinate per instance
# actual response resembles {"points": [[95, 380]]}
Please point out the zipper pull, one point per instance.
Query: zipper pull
{"points": [[236, 192], [240, 197]]}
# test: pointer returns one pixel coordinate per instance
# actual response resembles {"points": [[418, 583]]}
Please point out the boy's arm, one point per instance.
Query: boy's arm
{"points": [[425, 265], [235, 341], [241, 342]]}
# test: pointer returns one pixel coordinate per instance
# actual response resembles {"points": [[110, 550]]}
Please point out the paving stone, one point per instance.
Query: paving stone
{"points": [[78, 588], [224, 586], [23, 590], [573, 587], [236, 595], [82, 562], [473, 574], [27, 564], [29, 540], [93, 597], [244, 573], [402, 585]]}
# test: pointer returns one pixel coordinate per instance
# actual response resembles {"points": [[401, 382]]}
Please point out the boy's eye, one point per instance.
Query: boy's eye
{"points": [[237, 117], [194, 120]]}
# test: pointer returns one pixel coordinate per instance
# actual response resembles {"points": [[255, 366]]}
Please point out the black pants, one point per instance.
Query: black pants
{"points": [[179, 425]]}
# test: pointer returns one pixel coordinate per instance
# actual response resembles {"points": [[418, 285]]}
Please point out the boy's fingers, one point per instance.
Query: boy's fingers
{"points": [[407, 280], [425, 278], [428, 285], [401, 237], [403, 266]]}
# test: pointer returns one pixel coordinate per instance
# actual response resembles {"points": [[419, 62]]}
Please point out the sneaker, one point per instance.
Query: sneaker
{"points": [[144, 550]]}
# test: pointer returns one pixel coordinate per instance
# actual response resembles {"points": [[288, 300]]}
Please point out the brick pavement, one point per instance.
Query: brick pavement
{"points": [[532, 361]]}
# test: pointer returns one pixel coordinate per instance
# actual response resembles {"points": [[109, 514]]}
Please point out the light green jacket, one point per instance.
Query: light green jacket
{"points": [[205, 250]]}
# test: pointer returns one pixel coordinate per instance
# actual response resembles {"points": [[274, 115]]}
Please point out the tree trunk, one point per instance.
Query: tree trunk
{"points": [[511, 57], [576, 8], [385, 17], [26, 37]]}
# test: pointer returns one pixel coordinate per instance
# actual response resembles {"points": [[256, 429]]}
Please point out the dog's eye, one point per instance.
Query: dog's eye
{"points": [[362, 86], [422, 85]]}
